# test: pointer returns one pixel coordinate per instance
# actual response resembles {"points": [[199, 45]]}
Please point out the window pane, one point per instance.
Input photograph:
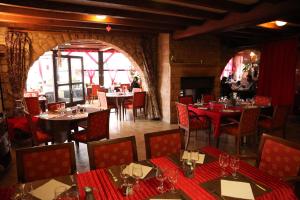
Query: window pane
{"points": [[77, 92], [63, 72], [64, 93], [76, 70]]}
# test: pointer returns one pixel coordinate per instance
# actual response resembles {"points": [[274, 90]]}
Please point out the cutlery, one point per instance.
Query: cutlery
{"points": [[112, 175], [260, 187]]}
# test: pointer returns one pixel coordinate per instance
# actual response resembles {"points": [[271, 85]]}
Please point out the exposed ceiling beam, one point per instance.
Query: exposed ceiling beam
{"points": [[64, 25], [4, 8], [259, 14], [152, 8], [215, 4], [84, 9]]}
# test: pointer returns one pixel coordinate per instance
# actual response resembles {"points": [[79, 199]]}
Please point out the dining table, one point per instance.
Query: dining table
{"points": [[60, 123], [119, 98], [205, 184]]}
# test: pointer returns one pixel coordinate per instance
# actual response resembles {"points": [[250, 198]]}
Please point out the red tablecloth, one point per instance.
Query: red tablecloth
{"points": [[216, 115], [105, 189]]}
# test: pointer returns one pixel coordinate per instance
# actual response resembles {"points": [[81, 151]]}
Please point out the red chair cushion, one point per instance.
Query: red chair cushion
{"points": [[46, 164], [279, 160], [265, 123], [113, 154], [165, 145], [232, 129]]}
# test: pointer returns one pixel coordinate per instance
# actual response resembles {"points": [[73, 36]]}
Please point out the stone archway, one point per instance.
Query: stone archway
{"points": [[127, 43]]}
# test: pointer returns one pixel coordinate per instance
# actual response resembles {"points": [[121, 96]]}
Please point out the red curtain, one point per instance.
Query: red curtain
{"points": [[277, 71]]}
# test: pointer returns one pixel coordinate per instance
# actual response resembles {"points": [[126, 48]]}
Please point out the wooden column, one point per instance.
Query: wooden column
{"points": [[101, 67]]}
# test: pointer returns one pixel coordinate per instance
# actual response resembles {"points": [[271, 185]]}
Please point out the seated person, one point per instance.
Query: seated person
{"points": [[247, 91], [236, 86], [135, 83], [248, 84], [225, 87]]}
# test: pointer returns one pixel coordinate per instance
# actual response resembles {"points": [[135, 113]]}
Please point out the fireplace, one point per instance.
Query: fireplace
{"points": [[196, 86]]}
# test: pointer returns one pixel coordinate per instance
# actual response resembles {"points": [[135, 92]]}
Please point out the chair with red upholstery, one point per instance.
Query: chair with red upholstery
{"points": [[103, 154], [187, 99], [189, 124], [247, 126], [43, 162], [278, 157], [97, 129], [104, 103], [125, 87], [138, 102], [95, 89], [32, 105], [277, 123], [262, 100], [137, 90], [164, 143], [55, 106], [38, 135], [206, 98]]}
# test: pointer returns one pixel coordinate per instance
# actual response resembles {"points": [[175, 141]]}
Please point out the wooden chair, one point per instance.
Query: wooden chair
{"points": [[43, 162], [138, 102], [248, 125], [187, 99], [95, 89], [277, 122], [103, 154], [97, 129], [38, 135], [105, 104], [189, 124], [54, 106], [164, 143], [278, 157], [32, 105]]}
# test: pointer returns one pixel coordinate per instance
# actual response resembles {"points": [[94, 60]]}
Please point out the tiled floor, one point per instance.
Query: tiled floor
{"points": [[141, 126]]}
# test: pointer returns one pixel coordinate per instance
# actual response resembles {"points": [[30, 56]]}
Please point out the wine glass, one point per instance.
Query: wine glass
{"points": [[160, 176], [223, 162], [62, 108], [172, 175], [123, 174], [234, 165], [137, 174]]}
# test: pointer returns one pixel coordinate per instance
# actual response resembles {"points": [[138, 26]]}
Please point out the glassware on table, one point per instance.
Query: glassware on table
{"points": [[234, 165], [58, 192], [172, 175], [71, 195], [223, 162], [160, 176], [137, 174], [123, 174]]}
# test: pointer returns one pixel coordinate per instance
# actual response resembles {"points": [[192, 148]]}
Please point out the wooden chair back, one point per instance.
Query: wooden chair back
{"points": [[98, 125], [139, 99], [182, 116], [280, 116], [32, 105], [42, 162], [103, 154], [249, 121], [164, 143]]}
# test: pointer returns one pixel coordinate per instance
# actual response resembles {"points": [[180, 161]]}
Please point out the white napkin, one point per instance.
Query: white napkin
{"points": [[236, 189], [48, 115], [47, 190], [198, 157], [145, 169]]}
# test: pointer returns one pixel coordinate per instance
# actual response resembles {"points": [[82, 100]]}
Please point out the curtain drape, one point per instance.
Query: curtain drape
{"points": [[19, 56], [148, 67], [277, 71]]}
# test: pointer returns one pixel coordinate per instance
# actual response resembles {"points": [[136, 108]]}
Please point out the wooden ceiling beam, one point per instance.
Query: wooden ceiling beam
{"points": [[261, 13], [82, 17], [215, 4], [87, 9], [52, 24]]}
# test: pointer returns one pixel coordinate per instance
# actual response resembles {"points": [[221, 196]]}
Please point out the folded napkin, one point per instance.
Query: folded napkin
{"points": [[198, 157], [236, 189], [47, 190], [145, 169]]}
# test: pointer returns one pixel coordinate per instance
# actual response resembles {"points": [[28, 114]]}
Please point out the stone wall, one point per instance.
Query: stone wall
{"points": [[127, 43], [164, 76]]}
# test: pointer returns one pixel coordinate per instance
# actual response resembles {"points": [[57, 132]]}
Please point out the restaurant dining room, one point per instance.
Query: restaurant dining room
{"points": [[156, 99]]}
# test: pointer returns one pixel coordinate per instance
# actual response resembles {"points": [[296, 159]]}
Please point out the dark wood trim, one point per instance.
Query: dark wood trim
{"points": [[21, 152], [148, 136], [101, 67], [92, 145]]}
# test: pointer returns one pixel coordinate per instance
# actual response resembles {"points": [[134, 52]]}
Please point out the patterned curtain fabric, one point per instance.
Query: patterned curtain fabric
{"points": [[19, 57], [148, 67]]}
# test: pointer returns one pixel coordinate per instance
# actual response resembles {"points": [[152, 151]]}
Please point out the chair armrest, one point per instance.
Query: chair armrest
{"points": [[291, 179]]}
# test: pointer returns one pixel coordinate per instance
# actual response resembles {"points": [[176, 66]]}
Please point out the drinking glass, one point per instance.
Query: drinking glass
{"points": [[234, 165], [172, 175], [123, 174], [223, 162], [137, 174], [62, 108], [160, 176]]}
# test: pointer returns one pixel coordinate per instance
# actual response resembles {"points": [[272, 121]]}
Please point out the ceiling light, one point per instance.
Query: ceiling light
{"points": [[252, 54], [101, 17], [280, 23]]}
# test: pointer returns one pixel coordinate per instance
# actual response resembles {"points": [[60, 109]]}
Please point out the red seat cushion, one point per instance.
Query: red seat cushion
{"points": [[265, 123], [279, 160], [232, 129]]}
